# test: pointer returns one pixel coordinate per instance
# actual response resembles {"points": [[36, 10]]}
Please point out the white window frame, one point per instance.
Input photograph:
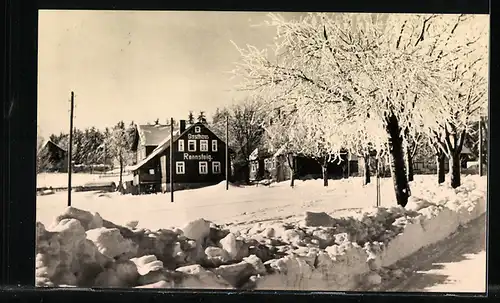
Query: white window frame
{"points": [[253, 167], [180, 167], [152, 171], [200, 166], [204, 145], [180, 145], [216, 164], [197, 129], [189, 145], [215, 144]]}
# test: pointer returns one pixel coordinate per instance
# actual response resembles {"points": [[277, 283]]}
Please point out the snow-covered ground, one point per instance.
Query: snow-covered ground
{"points": [[238, 205], [77, 179], [454, 264]]}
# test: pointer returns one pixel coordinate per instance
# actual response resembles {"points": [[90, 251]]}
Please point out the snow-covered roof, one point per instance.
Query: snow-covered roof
{"points": [[254, 155], [466, 150], [152, 135], [162, 146], [52, 142]]}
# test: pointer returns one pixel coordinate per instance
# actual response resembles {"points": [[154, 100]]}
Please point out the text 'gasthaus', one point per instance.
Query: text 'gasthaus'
{"points": [[197, 137]]}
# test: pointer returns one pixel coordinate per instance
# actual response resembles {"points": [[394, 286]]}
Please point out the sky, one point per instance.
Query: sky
{"points": [[138, 66]]}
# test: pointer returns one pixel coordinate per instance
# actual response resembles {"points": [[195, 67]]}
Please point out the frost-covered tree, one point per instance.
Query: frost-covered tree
{"points": [[245, 120], [119, 147], [321, 134], [383, 68], [283, 137], [365, 136], [449, 118], [459, 92]]}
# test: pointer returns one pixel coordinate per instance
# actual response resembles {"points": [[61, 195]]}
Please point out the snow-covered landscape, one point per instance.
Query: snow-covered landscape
{"points": [[317, 151], [248, 211]]}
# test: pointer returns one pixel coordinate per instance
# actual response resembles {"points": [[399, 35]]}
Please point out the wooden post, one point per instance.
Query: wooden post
{"points": [[227, 153], [172, 160], [348, 165], [377, 185], [70, 149], [481, 160]]}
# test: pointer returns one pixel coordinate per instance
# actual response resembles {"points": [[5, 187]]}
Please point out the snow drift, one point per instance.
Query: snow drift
{"points": [[320, 252]]}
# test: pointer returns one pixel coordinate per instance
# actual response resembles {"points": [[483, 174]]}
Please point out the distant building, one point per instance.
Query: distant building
{"points": [[426, 164], [52, 158], [199, 157], [265, 165]]}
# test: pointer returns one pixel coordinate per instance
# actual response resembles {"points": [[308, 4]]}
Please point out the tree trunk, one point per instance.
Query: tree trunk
{"points": [[324, 170], [440, 167], [366, 170], [120, 182], [397, 160], [409, 164], [291, 164], [455, 170]]}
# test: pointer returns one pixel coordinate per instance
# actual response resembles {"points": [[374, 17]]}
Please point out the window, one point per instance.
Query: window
{"points": [[197, 129], [152, 171], [191, 145], [268, 164], [180, 168], [253, 167], [204, 145], [203, 167], [216, 167], [180, 143], [214, 145]]}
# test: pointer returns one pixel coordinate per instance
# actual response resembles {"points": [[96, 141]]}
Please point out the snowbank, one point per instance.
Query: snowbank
{"points": [[318, 253]]}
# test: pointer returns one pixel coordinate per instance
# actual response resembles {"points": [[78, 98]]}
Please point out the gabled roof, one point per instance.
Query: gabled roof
{"points": [[466, 150], [152, 135], [164, 144], [52, 143]]}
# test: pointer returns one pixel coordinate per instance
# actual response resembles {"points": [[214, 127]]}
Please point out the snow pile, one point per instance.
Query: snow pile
{"points": [[320, 252]]}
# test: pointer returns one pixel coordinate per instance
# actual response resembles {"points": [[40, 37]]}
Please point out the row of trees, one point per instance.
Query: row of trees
{"points": [[368, 84], [190, 119], [92, 146]]}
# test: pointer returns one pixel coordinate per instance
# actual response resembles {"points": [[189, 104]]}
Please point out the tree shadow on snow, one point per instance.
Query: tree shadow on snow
{"points": [[469, 240]]}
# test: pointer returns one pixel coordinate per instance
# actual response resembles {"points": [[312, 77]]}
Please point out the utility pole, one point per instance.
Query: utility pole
{"points": [[227, 153], [348, 165], [481, 172], [70, 149], [377, 180], [172, 160]]}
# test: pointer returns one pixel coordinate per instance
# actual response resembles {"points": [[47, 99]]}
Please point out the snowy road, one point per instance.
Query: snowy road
{"points": [[245, 205], [456, 264]]}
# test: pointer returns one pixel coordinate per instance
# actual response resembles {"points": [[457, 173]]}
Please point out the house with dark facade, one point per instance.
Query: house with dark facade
{"points": [[426, 163], [264, 165], [52, 158], [198, 158]]}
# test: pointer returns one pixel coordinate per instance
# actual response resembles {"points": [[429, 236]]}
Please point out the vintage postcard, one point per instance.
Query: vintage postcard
{"points": [[264, 151]]}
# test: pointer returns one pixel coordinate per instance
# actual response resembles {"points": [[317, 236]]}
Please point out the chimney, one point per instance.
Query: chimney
{"points": [[182, 125]]}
